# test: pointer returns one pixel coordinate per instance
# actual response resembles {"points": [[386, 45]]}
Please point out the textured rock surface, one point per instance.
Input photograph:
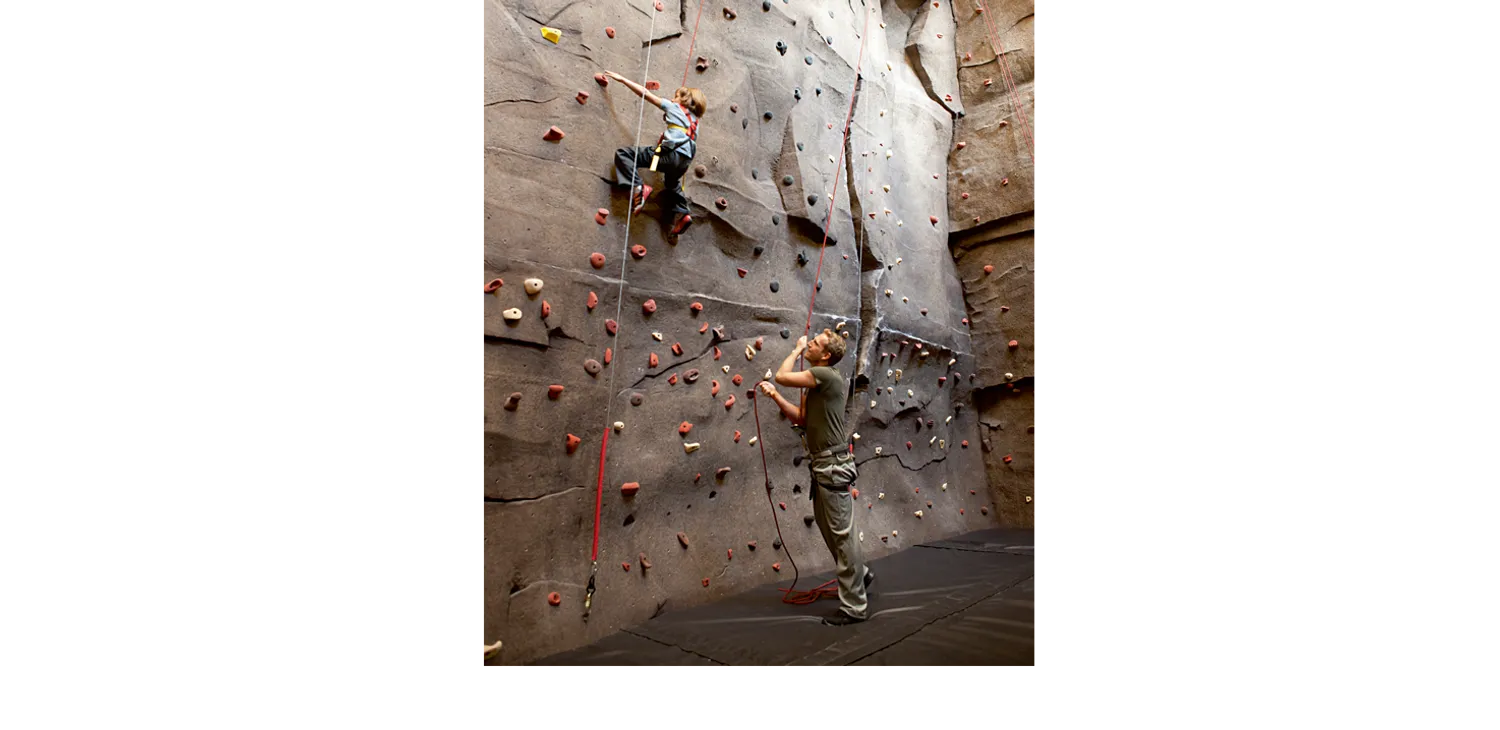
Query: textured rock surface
{"points": [[540, 203]]}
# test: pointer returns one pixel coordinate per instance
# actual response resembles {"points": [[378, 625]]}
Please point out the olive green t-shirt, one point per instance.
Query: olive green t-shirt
{"points": [[825, 410]]}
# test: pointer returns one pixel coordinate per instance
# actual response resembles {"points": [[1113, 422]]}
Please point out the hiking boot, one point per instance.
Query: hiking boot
{"points": [[638, 198], [683, 221]]}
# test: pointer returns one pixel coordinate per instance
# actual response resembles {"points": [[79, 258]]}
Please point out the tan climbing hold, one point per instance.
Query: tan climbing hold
{"points": [[532, 286], [749, 353], [682, 538], [691, 447], [619, 426], [511, 314]]}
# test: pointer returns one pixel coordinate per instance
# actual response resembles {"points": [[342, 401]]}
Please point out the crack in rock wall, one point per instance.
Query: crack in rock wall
{"points": [[769, 171]]}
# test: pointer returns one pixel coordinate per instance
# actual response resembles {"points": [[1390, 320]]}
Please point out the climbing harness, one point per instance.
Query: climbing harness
{"points": [[692, 133], [998, 48], [791, 595]]}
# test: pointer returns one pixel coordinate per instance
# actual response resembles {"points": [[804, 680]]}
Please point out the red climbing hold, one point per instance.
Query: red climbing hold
{"points": [[697, 477], [742, 275], [962, 145], [553, 391], [722, 203], [630, 488], [1004, 309], [554, 599], [965, 443], [638, 251], [682, 538], [658, 6], [573, 442], [917, 490], [737, 379], [649, 307], [971, 491], [676, 348], [984, 510], [783, 506], [760, 344], [672, 380], [908, 445], [1004, 181], [653, 85], [652, 361], [776, 567], [593, 300], [583, 97], [989, 269], [729, 403], [1007, 459], [600, 216], [750, 545], [965, 196], [734, 108], [932, 218], [705, 582], [546, 309], [696, 306], [946, 97], [611, 326], [731, 554], [960, 510], [702, 64], [968, 56], [1013, 344], [966, 320], [942, 379], [625, 567], [601, 78], [493, 286], [596, 259], [715, 389], [716, 353], [684, 427], [609, 354], [736, 436], [987, 82], [703, 329], [553, 134]]}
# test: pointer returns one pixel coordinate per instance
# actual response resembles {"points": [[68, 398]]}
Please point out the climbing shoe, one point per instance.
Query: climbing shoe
{"points": [[869, 578], [683, 221], [638, 198], [839, 618]]}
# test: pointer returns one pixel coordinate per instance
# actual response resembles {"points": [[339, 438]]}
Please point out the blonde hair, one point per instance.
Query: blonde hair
{"points": [[835, 348], [697, 103]]}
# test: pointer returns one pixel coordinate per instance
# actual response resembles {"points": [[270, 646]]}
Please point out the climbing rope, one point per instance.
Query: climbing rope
{"points": [[791, 595], [588, 599], [1009, 80], [691, 44]]}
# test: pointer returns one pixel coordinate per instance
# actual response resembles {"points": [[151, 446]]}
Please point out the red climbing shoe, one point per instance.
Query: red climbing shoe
{"points": [[638, 198], [683, 221]]}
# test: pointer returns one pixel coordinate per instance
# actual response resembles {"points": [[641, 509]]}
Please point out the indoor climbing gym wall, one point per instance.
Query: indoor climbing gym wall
{"points": [[862, 168]]}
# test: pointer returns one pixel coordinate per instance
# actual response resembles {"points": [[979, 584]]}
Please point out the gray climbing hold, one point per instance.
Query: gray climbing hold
{"points": [[775, 287], [801, 258], [787, 180], [807, 520], [819, 287], [812, 199], [759, 250], [797, 461], [799, 146], [744, 124], [829, 38], [819, 90], [766, 116], [766, 6], [775, 219], [797, 94], [808, 60], [754, 174], [636, 399], [592, 367], [781, 47], [785, 333]]}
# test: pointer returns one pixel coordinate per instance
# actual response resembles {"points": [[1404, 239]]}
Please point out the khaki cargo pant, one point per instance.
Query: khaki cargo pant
{"points": [[833, 510]]}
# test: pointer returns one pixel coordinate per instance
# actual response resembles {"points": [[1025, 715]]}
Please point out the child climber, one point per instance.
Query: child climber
{"points": [[671, 155]]}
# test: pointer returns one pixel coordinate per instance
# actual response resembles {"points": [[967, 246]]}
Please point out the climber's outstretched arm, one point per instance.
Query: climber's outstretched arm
{"points": [[651, 98]]}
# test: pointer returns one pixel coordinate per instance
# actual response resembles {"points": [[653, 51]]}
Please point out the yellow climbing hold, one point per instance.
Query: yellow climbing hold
{"points": [[551, 34]]}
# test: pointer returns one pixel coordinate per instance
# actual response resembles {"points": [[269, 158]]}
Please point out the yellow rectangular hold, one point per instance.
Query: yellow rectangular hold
{"points": [[551, 34]]}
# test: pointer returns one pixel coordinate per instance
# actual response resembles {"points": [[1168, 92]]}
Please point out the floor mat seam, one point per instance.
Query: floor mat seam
{"points": [[675, 646], [972, 604]]}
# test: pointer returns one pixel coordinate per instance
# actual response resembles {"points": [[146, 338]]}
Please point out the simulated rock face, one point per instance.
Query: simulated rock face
{"points": [[542, 200]]}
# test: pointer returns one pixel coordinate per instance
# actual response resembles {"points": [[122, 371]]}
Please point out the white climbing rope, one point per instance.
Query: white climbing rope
{"points": [[619, 302]]}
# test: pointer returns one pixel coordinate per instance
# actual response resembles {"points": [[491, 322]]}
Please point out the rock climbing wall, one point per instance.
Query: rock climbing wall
{"points": [[596, 327]]}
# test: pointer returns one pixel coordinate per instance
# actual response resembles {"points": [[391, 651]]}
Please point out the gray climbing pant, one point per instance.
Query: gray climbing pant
{"points": [[833, 510], [672, 164]]}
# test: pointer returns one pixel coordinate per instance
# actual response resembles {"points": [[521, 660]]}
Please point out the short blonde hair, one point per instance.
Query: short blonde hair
{"points": [[835, 348], [697, 103]]}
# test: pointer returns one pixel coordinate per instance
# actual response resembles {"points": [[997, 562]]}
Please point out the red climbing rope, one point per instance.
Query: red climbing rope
{"points": [[691, 44], [823, 591], [1009, 80]]}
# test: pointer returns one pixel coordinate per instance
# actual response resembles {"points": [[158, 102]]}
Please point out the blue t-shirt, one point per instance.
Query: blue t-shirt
{"points": [[677, 138]]}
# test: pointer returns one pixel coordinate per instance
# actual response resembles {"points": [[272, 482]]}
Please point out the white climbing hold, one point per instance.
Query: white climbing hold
{"points": [[1028, 499], [533, 285], [1008, 376], [882, 111], [904, 300], [889, 154], [767, 376], [949, 419], [886, 188], [898, 375], [894, 533], [923, 354], [943, 443], [890, 390], [945, 486], [726, 369], [690, 448], [898, 259], [877, 451], [918, 513], [888, 373], [830, 159], [881, 496], [511, 314], [861, 535], [898, 224], [931, 440], [872, 404], [749, 352], [887, 292], [619, 426], [856, 435], [951, 361], [753, 439], [656, 336]]}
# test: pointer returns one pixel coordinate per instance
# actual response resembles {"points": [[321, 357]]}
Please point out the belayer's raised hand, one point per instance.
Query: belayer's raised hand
{"points": [[767, 388]]}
